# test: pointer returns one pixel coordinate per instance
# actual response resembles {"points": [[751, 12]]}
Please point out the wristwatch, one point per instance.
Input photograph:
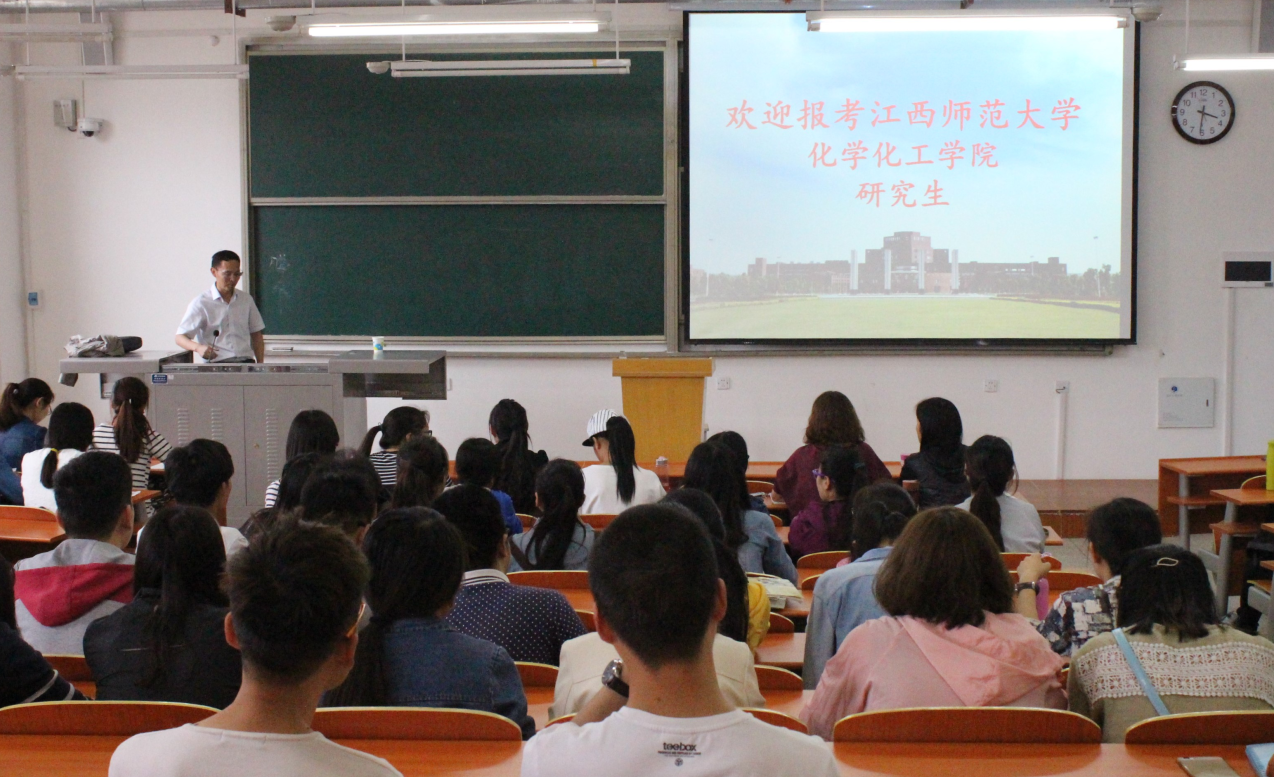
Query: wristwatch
{"points": [[612, 679], [1020, 587]]}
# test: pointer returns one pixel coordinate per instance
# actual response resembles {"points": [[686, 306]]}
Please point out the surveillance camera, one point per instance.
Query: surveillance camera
{"points": [[1146, 12], [379, 68], [89, 127], [281, 23]]}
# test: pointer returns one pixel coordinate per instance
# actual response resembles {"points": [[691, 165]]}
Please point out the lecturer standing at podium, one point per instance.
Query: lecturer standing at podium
{"points": [[223, 324]]}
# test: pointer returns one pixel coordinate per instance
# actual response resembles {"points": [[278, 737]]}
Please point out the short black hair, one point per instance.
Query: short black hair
{"points": [[344, 491], [476, 513], [477, 462], [91, 491], [1121, 526], [654, 576], [1167, 586], [295, 591], [195, 472], [224, 256]]}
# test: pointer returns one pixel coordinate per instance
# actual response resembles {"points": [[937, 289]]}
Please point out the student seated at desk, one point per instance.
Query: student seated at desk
{"points": [[825, 525], [559, 540], [25, 676], [169, 643], [70, 434], [400, 425], [129, 433], [22, 407], [311, 431], [950, 637], [1115, 530], [938, 468], [295, 473], [295, 597], [844, 597], [1192, 663], [616, 483], [1014, 523], [199, 474], [422, 473], [530, 623], [662, 702], [478, 463], [88, 576], [735, 442], [518, 463], [712, 469], [833, 421], [342, 492], [409, 656]]}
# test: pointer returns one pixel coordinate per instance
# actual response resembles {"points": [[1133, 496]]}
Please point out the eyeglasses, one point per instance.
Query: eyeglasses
{"points": [[818, 473], [362, 608], [229, 274]]}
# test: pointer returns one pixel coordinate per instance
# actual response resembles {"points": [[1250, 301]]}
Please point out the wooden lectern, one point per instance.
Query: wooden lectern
{"points": [[663, 400]]}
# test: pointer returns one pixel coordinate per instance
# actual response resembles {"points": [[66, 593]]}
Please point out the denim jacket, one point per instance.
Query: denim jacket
{"points": [[19, 440], [430, 664]]}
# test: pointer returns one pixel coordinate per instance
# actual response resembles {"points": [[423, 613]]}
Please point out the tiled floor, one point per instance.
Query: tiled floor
{"points": [[1074, 554]]}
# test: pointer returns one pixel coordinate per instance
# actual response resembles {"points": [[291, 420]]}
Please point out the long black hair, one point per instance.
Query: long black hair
{"points": [[70, 429], [291, 482], [623, 456], [712, 469], [399, 424], [989, 462], [735, 623], [418, 560], [129, 398], [422, 472], [312, 431], [182, 556], [1168, 586], [845, 469], [560, 488], [18, 397], [881, 512], [941, 432], [511, 429]]}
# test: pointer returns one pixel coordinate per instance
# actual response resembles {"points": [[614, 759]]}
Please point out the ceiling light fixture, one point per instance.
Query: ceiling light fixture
{"points": [[1251, 62], [424, 68], [130, 72], [413, 28]]}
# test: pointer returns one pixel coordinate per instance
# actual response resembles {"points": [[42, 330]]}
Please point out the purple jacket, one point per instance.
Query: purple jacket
{"points": [[811, 532]]}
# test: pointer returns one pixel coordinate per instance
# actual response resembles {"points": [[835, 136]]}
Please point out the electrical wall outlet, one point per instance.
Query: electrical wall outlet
{"points": [[33, 299], [990, 386], [723, 384]]}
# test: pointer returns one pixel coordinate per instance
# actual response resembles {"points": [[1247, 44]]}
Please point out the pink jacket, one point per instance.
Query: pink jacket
{"points": [[893, 663]]}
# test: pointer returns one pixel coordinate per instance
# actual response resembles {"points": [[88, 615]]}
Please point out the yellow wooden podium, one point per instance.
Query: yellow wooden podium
{"points": [[663, 400]]}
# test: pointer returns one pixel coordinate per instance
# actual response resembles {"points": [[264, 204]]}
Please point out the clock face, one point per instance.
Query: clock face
{"points": [[1203, 112]]}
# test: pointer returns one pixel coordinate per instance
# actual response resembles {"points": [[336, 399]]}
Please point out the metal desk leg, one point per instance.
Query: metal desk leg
{"points": [[1223, 563], [1183, 512]]}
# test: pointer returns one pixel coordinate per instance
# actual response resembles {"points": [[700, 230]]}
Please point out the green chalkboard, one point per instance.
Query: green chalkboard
{"points": [[461, 271], [324, 126]]}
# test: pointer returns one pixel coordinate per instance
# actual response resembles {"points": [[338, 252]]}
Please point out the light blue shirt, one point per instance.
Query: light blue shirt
{"points": [[764, 552], [843, 600]]}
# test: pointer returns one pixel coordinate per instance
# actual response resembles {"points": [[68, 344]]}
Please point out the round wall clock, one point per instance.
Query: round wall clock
{"points": [[1203, 112]]}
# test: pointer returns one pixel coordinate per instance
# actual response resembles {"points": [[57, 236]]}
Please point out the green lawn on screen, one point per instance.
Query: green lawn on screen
{"points": [[899, 317]]}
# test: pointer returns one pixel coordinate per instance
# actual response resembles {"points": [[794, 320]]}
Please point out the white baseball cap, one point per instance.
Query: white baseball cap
{"points": [[597, 425]]}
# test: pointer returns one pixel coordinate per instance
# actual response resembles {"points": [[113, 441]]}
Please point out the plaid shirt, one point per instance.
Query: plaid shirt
{"points": [[1079, 615]]}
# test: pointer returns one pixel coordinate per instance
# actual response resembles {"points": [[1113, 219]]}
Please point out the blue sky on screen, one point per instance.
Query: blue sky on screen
{"points": [[757, 193]]}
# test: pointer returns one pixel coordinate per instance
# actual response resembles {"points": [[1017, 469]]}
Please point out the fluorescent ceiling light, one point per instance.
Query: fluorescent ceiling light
{"points": [[423, 68], [963, 22], [371, 29], [1253, 62], [132, 72], [32, 33]]}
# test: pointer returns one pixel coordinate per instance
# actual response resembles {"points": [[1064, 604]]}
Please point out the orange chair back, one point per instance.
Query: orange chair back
{"points": [[760, 487], [598, 521], [808, 583], [537, 675], [775, 718], [1254, 483], [74, 669], [588, 619], [778, 522], [1060, 582], [423, 723], [563, 719], [1204, 728], [1013, 725], [528, 521], [562, 580], [828, 559], [772, 678], [1011, 560], [98, 718], [8, 512], [781, 624]]}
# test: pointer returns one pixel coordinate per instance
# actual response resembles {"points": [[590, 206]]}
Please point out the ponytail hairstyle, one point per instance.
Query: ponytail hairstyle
{"points": [[989, 463], [312, 431], [713, 470], [181, 555], [128, 401], [848, 475], [560, 487], [399, 424], [511, 430], [417, 559], [623, 455], [70, 429], [422, 472], [18, 397], [881, 512]]}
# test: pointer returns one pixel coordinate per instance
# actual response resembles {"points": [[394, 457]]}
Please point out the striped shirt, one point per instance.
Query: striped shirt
{"points": [[155, 447], [271, 494], [386, 464]]}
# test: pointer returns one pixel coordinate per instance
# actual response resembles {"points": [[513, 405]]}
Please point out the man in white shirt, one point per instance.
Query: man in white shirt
{"points": [[223, 323], [654, 577], [296, 594]]}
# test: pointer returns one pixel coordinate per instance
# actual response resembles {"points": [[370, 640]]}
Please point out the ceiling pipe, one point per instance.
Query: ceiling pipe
{"points": [[112, 6]]}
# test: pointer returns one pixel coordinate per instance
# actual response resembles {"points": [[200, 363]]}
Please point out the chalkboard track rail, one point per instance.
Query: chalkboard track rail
{"points": [[537, 199]]}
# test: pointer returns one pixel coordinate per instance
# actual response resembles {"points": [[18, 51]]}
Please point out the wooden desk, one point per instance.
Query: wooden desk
{"points": [[786, 651], [582, 599], [538, 701], [1219, 562], [145, 495], [1186, 485], [33, 530]]}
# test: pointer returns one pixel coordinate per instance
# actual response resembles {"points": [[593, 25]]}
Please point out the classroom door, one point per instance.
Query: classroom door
{"points": [[1253, 416]]}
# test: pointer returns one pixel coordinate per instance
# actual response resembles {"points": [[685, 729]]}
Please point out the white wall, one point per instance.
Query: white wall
{"points": [[120, 228]]}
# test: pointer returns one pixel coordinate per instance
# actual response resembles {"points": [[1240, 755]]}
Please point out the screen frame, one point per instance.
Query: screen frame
{"points": [[1129, 197]]}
